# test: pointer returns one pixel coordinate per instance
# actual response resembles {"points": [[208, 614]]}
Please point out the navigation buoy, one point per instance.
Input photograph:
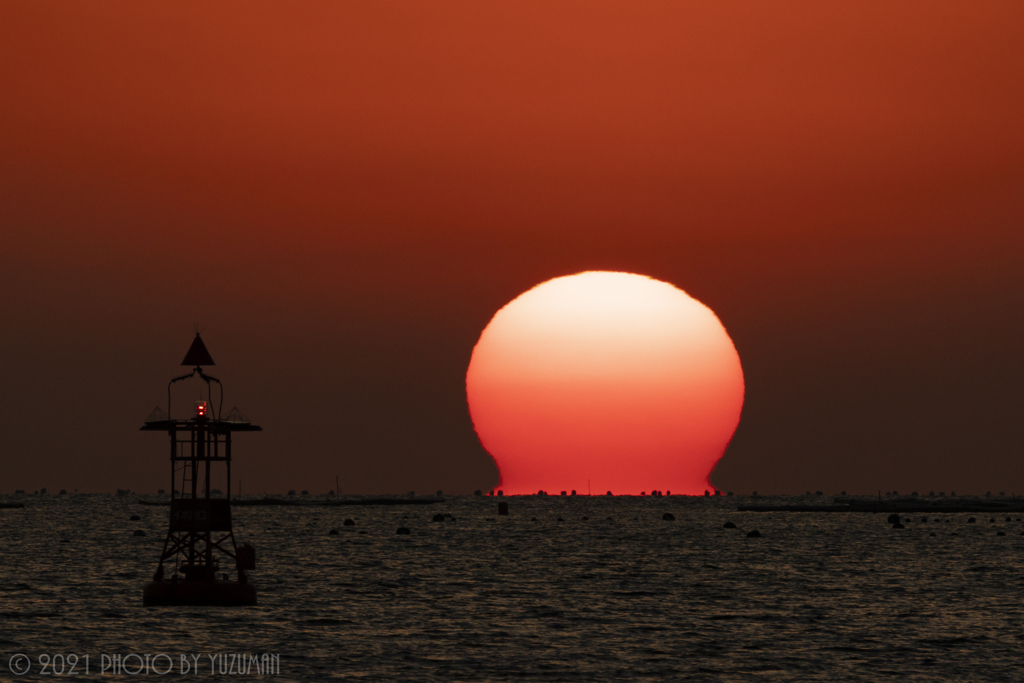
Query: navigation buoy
{"points": [[200, 533]]}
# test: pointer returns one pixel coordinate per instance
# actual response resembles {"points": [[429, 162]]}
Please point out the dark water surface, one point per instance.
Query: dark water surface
{"points": [[478, 598]]}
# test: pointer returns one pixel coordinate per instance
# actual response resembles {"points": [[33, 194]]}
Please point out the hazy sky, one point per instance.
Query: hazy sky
{"points": [[343, 194]]}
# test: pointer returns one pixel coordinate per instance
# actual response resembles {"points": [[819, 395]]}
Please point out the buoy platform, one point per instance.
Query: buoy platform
{"points": [[200, 533], [213, 592]]}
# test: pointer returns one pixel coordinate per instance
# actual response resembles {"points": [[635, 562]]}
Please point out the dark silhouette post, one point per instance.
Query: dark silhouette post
{"points": [[200, 532]]}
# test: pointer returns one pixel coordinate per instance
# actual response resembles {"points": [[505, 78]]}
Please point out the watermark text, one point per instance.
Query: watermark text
{"points": [[159, 664]]}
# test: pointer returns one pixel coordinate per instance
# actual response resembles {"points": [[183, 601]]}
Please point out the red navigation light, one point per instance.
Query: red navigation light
{"points": [[200, 408]]}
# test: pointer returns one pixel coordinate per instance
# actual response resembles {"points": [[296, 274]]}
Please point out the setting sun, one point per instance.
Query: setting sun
{"points": [[614, 379]]}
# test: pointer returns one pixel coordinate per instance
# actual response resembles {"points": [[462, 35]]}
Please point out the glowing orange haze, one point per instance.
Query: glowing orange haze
{"points": [[614, 378]]}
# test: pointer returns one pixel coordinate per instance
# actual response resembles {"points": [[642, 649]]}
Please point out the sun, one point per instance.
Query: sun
{"points": [[605, 381]]}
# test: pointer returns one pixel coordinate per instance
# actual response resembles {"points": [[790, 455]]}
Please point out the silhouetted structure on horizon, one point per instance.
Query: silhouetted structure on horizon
{"points": [[200, 531]]}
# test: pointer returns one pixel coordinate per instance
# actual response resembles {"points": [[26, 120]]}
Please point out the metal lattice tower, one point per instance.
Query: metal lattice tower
{"points": [[200, 533]]}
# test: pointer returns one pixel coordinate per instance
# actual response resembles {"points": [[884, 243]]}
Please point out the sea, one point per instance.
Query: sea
{"points": [[573, 588]]}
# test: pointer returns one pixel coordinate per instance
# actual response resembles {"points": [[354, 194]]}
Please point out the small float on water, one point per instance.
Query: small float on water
{"points": [[200, 534]]}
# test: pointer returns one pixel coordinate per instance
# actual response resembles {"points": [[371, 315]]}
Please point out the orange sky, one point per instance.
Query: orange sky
{"points": [[344, 193]]}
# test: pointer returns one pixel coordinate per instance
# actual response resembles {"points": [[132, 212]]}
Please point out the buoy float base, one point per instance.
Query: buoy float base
{"points": [[188, 593]]}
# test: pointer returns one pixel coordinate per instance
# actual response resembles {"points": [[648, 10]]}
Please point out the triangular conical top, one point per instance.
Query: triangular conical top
{"points": [[197, 353]]}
